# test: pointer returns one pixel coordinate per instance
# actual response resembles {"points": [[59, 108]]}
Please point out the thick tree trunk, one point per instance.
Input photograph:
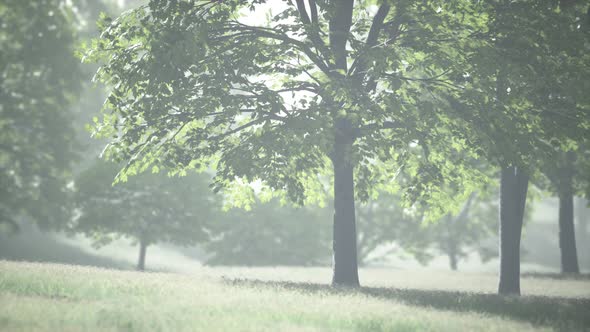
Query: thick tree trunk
{"points": [[513, 190], [142, 251], [567, 235], [344, 237]]}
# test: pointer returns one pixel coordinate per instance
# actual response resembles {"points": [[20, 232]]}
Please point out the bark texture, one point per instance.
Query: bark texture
{"points": [[513, 191], [344, 238], [567, 234]]}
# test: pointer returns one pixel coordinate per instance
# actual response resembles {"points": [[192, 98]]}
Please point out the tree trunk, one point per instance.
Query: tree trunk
{"points": [[344, 237], [567, 235], [453, 260], [582, 234], [142, 250], [513, 190], [581, 217], [451, 239]]}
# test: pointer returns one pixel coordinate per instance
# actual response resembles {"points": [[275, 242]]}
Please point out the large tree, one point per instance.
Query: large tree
{"points": [[39, 80], [526, 102], [343, 88]]}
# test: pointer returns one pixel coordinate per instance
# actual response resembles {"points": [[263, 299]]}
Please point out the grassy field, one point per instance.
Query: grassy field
{"points": [[52, 297]]}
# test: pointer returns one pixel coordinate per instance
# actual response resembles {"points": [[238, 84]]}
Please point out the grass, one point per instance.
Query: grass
{"points": [[53, 297]]}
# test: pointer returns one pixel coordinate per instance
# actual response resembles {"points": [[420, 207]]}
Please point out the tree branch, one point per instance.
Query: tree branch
{"points": [[314, 12], [340, 24], [237, 129], [270, 33], [376, 26], [312, 26], [364, 130], [302, 12]]}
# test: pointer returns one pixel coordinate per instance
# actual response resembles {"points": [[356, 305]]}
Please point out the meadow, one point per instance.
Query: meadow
{"points": [[54, 297]]}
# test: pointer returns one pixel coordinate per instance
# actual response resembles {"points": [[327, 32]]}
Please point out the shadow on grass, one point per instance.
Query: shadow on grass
{"points": [[563, 314], [557, 276]]}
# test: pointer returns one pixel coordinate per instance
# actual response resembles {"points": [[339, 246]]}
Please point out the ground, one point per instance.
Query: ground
{"points": [[53, 297]]}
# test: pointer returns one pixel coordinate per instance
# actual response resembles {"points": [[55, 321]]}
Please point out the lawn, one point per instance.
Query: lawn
{"points": [[52, 297]]}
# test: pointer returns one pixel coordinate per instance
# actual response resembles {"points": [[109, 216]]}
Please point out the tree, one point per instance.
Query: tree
{"points": [[457, 235], [39, 81], [339, 88], [533, 83], [565, 180], [149, 208], [386, 225], [270, 234]]}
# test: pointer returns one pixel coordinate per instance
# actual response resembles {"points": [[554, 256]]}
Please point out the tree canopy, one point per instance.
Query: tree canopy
{"points": [[150, 207], [39, 80], [194, 84], [147, 209], [373, 88]]}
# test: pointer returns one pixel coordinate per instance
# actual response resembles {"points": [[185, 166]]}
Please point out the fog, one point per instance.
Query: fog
{"points": [[294, 165]]}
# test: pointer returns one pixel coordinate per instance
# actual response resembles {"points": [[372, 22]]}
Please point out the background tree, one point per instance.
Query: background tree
{"points": [[386, 227], [532, 82], [39, 81], [561, 174], [469, 231], [271, 234], [149, 208]]}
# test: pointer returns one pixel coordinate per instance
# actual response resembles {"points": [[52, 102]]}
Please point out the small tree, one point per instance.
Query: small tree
{"points": [[385, 221], [457, 235], [149, 208]]}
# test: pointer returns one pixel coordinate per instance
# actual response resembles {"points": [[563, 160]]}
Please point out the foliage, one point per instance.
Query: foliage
{"points": [[40, 79], [386, 228], [149, 208], [525, 94], [271, 234], [469, 231], [385, 224], [193, 85]]}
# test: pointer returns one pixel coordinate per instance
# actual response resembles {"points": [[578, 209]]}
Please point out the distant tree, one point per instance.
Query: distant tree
{"points": [[386, 223], [39, 81], [270, 234], [566, 178], [386, 227], [148, 209], [458, 235]]}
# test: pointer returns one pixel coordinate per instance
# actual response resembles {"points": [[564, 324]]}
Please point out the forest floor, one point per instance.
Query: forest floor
{"points": [[54, 297]]}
